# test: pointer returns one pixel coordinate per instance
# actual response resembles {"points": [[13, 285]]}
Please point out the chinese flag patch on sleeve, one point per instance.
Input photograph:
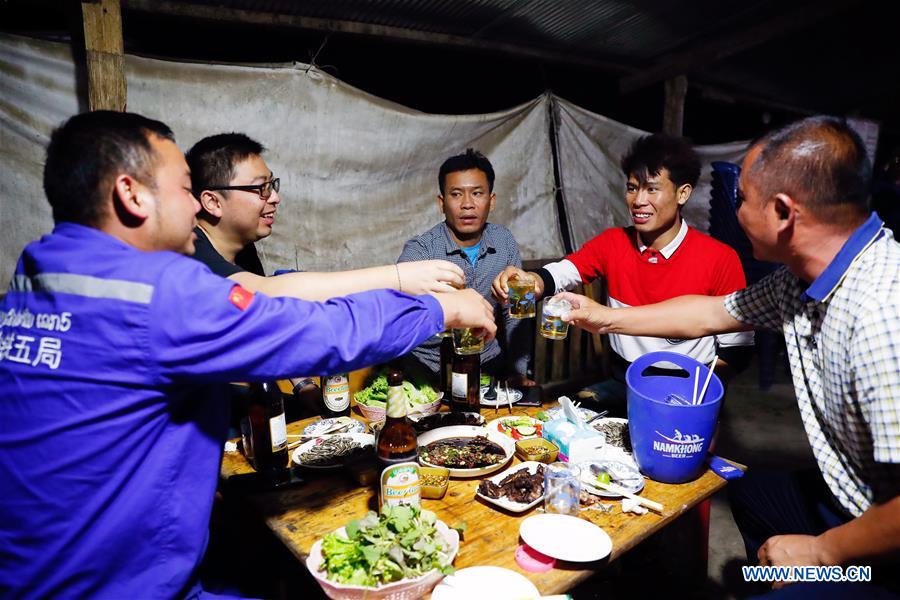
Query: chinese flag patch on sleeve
{"points": [[240, 297]]}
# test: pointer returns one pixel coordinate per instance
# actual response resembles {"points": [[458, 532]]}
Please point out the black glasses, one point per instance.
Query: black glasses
{"points": [[263, 189]]}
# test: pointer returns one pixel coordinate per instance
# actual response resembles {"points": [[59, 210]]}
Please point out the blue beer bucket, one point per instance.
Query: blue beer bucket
{"points": [[670, 436]]}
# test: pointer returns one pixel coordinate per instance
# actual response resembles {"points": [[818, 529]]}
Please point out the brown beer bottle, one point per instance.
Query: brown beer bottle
{"points": [[336, 395], [466, 383], [268, 432], [397, 439], [308, 395], [446, 367]]}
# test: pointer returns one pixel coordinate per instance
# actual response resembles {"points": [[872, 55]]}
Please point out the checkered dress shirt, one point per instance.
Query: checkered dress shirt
{"points": [[843, 341], [498, 250]]}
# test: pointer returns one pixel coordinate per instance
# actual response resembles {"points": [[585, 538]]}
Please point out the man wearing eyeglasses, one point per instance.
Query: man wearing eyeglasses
{"points": [[239, 198]]}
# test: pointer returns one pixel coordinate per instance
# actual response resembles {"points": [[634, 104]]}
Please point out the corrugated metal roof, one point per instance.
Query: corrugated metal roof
{"points": [[631, 31]]}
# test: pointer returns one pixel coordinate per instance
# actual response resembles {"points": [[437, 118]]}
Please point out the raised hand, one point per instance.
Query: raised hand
{"points": [[500, 285], [467, 308], [429, 276], [586, 313]]}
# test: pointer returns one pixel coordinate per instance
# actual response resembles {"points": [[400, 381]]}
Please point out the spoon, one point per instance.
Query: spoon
{"points": [[599, 415]]}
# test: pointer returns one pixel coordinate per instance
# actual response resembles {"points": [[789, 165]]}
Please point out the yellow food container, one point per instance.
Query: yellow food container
{"points": [[537, 449], [433, 482]]}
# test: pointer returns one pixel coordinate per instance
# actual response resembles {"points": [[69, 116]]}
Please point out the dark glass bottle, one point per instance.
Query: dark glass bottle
{"points": [[446, 367], [267, 432], [308, 397], [466, 383], [397, 439], [336, 395]]}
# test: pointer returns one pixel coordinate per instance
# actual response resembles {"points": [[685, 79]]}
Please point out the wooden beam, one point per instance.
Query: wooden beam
{"points": [[673, 111], [104, 50], [234, 15], [716, 49]]}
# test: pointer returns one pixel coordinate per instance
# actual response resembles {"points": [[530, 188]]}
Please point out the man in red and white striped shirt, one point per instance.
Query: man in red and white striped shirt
{"points": [[657, 258]]}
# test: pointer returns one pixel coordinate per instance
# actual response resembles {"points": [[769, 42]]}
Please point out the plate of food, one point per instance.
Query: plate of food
{"points": [[517, 489], [552, 413], [465, 450], [498, 397], [334, 425], [616, 432], [332, 451], [624, 475], [359, 560], [423, 423], [520, 427]]}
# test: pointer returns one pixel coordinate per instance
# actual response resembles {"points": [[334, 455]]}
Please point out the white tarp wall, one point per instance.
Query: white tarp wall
{"points": [[590, 148], [359, 174]]}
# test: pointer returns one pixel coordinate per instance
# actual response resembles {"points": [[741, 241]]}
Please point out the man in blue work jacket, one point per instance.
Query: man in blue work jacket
{"points": [[114, 350]]}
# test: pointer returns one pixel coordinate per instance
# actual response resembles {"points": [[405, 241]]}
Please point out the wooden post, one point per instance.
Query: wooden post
{"points": [[673, 114], [104, 54]]}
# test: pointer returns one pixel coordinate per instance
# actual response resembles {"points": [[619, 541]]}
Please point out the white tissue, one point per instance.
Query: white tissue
{"points": [[630, 505]]}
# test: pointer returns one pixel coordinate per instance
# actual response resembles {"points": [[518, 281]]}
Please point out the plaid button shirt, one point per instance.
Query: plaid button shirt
{"points": [[843, 341], [498, 250]]}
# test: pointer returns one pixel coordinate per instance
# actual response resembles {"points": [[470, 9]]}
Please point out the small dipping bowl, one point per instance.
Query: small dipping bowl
{"points": [[433, 482], [537, 449]]}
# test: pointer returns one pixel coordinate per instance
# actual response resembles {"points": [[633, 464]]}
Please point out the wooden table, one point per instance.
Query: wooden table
{"points": [[302, 514]]}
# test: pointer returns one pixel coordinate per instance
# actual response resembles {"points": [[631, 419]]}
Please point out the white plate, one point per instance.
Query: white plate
{"points": [[496, 583], [565, 537], [320, 427], [494, 425], [509, 505], [634, 482], [363, 439], [467, 431], [553, 413], [501, 398]]}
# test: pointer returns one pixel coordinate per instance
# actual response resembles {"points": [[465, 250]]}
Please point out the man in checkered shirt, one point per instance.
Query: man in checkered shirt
{"points": [[481, 250], [805, 204]]}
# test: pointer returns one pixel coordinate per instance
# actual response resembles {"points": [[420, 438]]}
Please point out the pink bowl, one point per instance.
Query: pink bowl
{"points": [[371, 413], [428, 409], [405, 589]]}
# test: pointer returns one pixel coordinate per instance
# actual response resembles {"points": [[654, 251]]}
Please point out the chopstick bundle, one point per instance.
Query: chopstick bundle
{"points": [[708, 377]]}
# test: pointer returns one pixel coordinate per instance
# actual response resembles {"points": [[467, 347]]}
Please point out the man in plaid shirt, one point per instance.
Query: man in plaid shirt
{"points": [[805, 191]]}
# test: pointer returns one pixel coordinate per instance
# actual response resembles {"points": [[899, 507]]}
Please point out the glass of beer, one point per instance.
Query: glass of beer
{"points": [[521, 298], [552, 325], [466, 342]]}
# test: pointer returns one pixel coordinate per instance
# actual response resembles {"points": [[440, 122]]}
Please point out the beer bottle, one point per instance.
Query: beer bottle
{"points": [[447, 367], [268, 432], [397, 439], [397, 449], [336, 395], [308, 395], [466, 383]]}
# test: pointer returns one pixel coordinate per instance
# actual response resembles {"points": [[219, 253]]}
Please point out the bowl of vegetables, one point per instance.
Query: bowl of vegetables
{"points": [[372, 400], [402, 553]]}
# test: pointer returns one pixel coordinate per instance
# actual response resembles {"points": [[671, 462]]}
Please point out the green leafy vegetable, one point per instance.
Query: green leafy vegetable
{"points": [[375, 394], [401, 543]]}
